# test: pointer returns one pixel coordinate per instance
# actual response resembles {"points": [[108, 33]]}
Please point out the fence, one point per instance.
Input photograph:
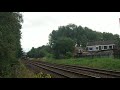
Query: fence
{"points": [[107, 53], [95, 56]]}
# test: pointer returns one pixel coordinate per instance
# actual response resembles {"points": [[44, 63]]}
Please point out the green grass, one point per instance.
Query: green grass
{"points": [[19, 70], [23, 72], [101, 63]]}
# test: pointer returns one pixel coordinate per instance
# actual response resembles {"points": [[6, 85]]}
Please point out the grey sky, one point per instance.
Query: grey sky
{"points": [[38, 25]]}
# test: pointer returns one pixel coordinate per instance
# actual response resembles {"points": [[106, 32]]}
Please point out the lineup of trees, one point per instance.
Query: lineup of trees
{"points": [[39, 52], [10, 47], [81, 35], [63, 40]]}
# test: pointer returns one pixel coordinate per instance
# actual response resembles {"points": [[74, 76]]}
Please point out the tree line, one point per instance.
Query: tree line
{"points": [[10, 47], [39, 52], [63, 40]]}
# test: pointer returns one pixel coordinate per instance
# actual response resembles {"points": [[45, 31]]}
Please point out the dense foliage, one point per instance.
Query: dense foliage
{"points": [[80, 36], [10, 47], [39, 52], [63, 48]]}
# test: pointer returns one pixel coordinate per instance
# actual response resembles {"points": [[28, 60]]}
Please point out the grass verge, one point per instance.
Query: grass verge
{"points": [[101, 63], [24, 72]]}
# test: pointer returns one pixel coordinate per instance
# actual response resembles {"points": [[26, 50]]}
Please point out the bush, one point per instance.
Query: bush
{"points": [[49, 55], [23, 72], [68, 55], [62, 46]]}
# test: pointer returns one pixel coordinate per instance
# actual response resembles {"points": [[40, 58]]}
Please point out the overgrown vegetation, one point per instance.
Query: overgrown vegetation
{"points": [[23, 72], [39, 52], [81, 35], [102, 63], [63, 48], [10, 47]]}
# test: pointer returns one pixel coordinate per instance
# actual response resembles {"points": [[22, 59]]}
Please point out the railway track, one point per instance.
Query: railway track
{"points": [[38, 68], [70, 71], [62, 72], [91, 71]]}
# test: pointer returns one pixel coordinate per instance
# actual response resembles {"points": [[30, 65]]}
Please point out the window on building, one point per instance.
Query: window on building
{"points": [[100, 47], [90, 48], [105, 47], [110, 47], [97, 48]]}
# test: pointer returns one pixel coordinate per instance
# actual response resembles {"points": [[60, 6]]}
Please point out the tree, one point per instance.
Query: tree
{"points": [[108, 36], [62, 46], [10, 47], [80, 35], [39, 52], [117, 39]]}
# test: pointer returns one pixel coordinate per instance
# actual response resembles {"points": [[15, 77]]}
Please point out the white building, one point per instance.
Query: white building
{"points": [[100, 45]]}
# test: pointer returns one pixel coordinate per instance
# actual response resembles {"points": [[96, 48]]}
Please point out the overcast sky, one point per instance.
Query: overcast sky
{"points": [[38, 25]]}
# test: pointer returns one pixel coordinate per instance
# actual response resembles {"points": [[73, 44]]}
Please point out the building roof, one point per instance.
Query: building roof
{"points": [[100, 43]]}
